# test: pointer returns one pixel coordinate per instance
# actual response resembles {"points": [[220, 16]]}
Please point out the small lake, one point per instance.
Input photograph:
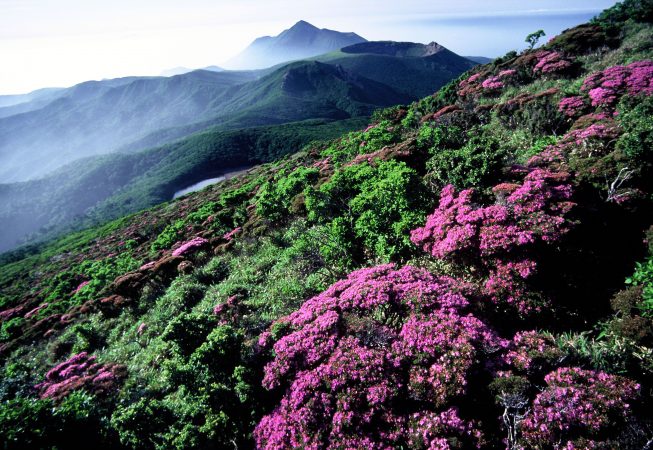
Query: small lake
{"points": [[197, 186], [209, 181]]}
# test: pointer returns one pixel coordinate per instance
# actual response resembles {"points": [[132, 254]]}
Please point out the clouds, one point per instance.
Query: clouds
{"points": [[46, 43]]}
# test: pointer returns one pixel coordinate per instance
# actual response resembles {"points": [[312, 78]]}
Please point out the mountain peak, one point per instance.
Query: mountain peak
{"points": [[302, 24], [302, 40]]}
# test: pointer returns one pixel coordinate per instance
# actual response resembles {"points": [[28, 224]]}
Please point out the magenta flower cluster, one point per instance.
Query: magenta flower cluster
{"points": [[474, 84], [80, 371], [606, 87], [571, 106], [231, 234], [549, 61], [599, 131], [492, 83], [495, 237], [375, 361], [189, 246], [81, 286], [530, 347], [579, 409]]}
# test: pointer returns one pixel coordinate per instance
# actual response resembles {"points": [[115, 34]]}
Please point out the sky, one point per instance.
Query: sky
{"points": [[58, 43]]}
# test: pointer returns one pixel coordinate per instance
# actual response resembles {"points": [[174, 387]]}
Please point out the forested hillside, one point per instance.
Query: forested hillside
{"points": [[471, 270]]}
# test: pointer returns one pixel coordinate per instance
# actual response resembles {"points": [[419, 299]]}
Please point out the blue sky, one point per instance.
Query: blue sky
{"points": [[63, 42]]}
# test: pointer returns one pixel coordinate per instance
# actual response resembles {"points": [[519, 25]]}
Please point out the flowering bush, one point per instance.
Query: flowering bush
{"points": [[606, 87], [375, 362], [550, 62], [492, 83], [531, 351], [189, 246], [470, 86], [490, 236], [579, 409], [80, 371], [571, 106], [474, 85], [231, 234]]}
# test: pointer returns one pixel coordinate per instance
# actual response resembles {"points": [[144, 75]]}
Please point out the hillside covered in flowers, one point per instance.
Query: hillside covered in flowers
{"points": [[473, 270]]}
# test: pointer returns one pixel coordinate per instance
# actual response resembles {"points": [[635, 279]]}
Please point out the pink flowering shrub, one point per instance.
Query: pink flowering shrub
{"points": [[492, 83], [230, 235], [80, 371], [470, 86], [532, 352], [475, 85], [579, 409], [189, 246], [36, 310], [571, 106], [606, 87], [495, 237], [81, 286], [375, 361], [549, 62], [507, 73]]}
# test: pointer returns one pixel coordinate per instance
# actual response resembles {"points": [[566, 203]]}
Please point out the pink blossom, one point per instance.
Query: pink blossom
{"points": [[36, 310], [571, 106], [81, 286], [344, 368], [191, 245], [230, 235]]}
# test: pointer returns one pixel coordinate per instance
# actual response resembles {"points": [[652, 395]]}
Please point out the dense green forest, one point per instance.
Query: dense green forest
{"points": [[471, 270]]}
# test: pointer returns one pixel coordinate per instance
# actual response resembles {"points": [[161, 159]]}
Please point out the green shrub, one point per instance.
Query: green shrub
{"points": [[24, 423], [643, 277], [368, 211], [141, 423], [11, 329], [274, 199], [476, 164], [188, 330], [636, 142], [170, 234]]}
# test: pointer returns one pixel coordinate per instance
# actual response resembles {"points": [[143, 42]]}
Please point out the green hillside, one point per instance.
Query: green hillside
{"points": [[98, 189], [471, 270]]}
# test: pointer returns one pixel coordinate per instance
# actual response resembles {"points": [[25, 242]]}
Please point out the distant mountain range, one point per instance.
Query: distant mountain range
{"points": [[159, 134], [182, 70], [479, 59], [301, 41]]}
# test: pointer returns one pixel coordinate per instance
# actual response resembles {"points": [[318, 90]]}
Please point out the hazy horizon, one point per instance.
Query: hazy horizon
{"points": [[59, 46]]}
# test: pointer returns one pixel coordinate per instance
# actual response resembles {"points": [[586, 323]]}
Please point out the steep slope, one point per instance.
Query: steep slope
{"points": [[456, 275], [301, 41]]}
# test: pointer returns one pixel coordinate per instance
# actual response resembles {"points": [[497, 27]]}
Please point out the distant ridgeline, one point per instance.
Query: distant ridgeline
{"points": [[470, 270], [64, 154]]}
